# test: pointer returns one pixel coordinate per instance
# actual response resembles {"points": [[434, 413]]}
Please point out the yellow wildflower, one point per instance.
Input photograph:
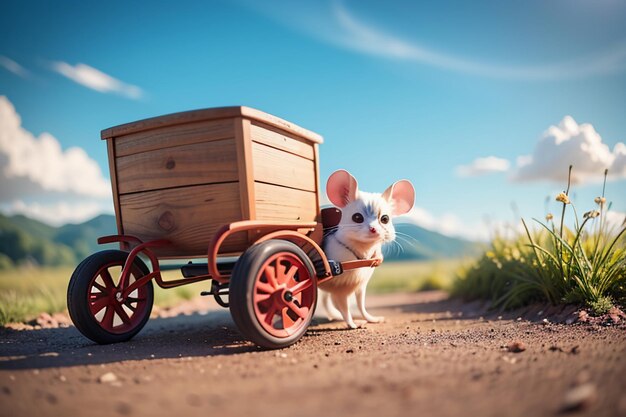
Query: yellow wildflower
{"points": [[549, 217], [591, 214], [600, 200], [563, 198]]}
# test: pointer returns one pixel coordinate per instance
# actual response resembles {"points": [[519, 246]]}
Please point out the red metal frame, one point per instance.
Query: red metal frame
{"points": [[247, 225], [292, 231], [156, 269]]}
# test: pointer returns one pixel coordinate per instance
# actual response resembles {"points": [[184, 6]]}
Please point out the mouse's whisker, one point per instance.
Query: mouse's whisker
{"points": [[406, 237]]}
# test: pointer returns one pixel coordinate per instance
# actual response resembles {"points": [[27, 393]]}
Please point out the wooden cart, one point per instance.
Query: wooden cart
{"points": [[214, 183]]}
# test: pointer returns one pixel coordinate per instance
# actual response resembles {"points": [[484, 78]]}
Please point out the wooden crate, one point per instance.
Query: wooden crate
{"points": [[184, 175]]}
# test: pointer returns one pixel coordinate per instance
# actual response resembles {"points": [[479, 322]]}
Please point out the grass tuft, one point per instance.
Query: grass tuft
{"points": [[601, 306], [584, 265]]}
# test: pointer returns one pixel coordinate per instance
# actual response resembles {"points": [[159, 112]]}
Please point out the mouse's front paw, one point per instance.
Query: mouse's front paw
{"points": [[375, 319], [352, 325]]}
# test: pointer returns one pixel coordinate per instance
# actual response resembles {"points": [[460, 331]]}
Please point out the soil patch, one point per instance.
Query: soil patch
{"points": [[432, 356]]}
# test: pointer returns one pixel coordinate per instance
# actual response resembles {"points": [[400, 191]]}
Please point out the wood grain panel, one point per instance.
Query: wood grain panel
{"points": [[193, 116], [168, 136], [244, 164], [199, 163], [282, 140], [281, 203], [318, 233], [281, 168], [113, 173], [187, 216]]}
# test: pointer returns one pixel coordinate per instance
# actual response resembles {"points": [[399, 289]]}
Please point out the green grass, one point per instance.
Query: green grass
{"points": [[414, 276], [584, 264], [26, 292]]}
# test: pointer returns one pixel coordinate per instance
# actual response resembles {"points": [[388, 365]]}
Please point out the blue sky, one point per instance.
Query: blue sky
{"points": [[397, 89]]}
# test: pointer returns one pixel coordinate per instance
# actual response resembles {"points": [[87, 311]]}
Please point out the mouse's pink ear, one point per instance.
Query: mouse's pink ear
{"points": [[341, 188], [401, 195]]}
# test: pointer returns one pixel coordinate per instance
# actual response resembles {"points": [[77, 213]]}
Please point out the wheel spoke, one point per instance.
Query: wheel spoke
{"points": [[108, 280], [95, 296], [301, 286], [259, 298], [280, 271], [269, 317], [292, 272], [287, 321], [134, 299], [109, 315], [122, 313], [270, 274], [298, 298], [266, 288], [130, 306], [99, 304], [302, 312], [100, 288]]}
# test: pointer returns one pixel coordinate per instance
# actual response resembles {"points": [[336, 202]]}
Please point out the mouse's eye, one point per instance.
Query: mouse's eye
{"points": [[357, 218], [384, 219]]}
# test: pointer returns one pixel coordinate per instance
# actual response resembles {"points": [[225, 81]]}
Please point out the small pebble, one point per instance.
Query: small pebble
{"points": [[580, 397], [516, 346], [107, 378]]}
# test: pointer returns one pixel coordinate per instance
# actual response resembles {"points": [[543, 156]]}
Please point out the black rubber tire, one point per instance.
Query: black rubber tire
{"points": [[77, 294], [241, 289]]}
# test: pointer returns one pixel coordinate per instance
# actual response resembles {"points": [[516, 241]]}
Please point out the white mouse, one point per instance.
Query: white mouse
{"points": [[364, 227]]}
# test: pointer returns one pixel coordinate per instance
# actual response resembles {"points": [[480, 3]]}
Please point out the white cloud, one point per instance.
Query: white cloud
{"points": [[368, 39], [482, 166], [619, 163], [615, 220], [37, 166], [96, 80], [338, 26], [60, 212], [571, 144], [447, 223], [12, 66]]}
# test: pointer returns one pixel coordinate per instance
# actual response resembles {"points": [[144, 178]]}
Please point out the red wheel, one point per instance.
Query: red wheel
{"points": [[273, 293], [95, 300]]}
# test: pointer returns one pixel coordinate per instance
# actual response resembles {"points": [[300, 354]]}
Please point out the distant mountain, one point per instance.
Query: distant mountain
{"points": [[416, 243], [33, 227], [24, 240], [27, 241], [83, 238]]}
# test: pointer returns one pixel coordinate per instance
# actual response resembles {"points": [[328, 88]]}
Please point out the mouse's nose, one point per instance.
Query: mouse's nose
{"points": [[373, 230]]}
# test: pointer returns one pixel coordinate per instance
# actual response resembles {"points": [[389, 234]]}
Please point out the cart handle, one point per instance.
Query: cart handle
{"points": [[361, 263]]}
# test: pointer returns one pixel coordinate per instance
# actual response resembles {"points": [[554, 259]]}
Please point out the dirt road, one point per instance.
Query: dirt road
{"points": [[432, 357]]}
